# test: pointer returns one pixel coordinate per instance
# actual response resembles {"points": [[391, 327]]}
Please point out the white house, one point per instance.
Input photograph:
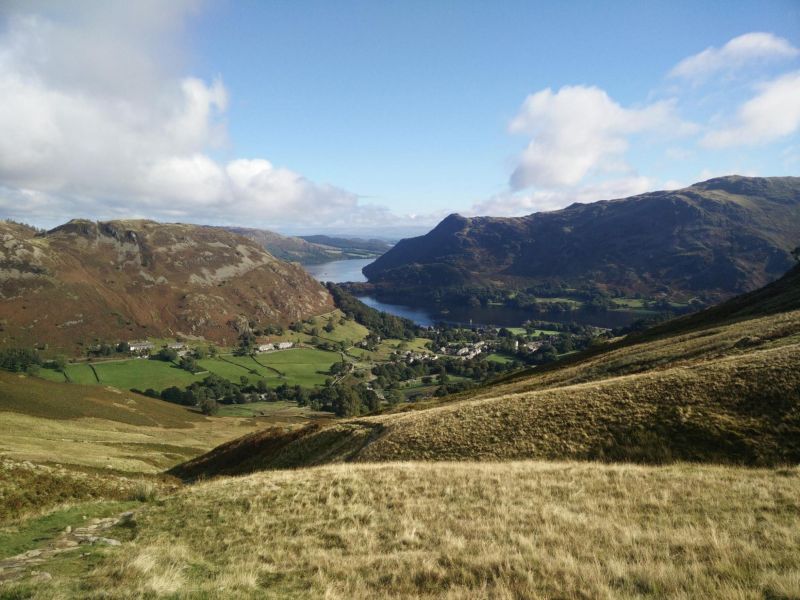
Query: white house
{"points": [[140, 347], [285, 345], [266, 347]]}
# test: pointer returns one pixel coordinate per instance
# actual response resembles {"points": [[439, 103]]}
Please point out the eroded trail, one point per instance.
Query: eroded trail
{"points": [[33, 563]]}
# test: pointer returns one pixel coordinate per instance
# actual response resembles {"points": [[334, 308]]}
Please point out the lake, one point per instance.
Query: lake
{"points": [[340, 271]]}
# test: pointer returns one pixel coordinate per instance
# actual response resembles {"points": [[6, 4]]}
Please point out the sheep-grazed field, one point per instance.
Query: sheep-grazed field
{"points": [[461, 530]]}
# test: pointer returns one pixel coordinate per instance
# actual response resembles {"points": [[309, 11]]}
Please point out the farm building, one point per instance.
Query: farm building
{"points": [[140, 347]]}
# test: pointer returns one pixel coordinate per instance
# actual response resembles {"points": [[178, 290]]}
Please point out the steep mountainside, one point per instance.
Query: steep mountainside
{"points": [[722, 388], [122, 280], [717, 238], [315, 249]]}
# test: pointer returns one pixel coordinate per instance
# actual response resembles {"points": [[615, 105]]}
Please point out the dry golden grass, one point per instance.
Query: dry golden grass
{"points": [[93, 426], [684, 350], [465, 530]]}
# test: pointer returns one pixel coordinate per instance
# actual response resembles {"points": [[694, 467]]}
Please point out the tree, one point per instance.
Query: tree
{"points": [[244, 380], [208, 406], [188, 363], [60, 363], [329, 326], [212, 351], [167, 355]]}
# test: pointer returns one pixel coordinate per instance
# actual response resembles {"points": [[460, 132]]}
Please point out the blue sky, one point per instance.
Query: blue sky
{"points": [[385, 116]]}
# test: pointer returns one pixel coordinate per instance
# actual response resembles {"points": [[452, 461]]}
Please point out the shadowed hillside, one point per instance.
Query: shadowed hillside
{"points": [[726, 389], [716, 238], [121, 280]]}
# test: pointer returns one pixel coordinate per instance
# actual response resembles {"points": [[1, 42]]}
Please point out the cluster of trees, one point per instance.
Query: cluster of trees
{"points": [[379, 323], [104, 349], [214, 390], [344, 400], [390, 375], [20, 360]]}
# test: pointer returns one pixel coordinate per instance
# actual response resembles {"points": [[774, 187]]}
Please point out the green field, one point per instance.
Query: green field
{"points": [[349, 331], [299, 366], [233, 367], [499, 358], [81, 373], [278, 412], [534, 332]]}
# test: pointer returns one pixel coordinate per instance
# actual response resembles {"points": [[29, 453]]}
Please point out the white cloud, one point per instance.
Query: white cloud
{"points": [[96, 122], [750, 48], [580, 130], [514, 204], [772, 114]]}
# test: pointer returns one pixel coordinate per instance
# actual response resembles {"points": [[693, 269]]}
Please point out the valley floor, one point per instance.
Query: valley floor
{"points": [[459, 530]]}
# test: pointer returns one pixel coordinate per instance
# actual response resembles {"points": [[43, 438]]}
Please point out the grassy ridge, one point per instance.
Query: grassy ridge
{"points": [[445, 530], [103, 427], [722, 388]]}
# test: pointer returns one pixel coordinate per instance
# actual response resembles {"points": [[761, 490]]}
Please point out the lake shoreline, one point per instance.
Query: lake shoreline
{"points": [[426, 315]]}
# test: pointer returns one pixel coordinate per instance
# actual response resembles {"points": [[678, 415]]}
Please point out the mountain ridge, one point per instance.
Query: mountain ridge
{"points": [[312, 249], [85, 281], [716, 238]]}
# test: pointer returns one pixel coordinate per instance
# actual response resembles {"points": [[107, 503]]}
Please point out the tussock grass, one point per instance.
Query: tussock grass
{"points": [[28, 489], [467, 530]]}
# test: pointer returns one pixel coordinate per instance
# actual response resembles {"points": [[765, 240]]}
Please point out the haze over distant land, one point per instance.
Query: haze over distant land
{"points": [[113, 110]]}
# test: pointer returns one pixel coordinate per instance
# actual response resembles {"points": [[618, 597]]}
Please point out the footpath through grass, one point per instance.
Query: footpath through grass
{"points": [[467, 530]]}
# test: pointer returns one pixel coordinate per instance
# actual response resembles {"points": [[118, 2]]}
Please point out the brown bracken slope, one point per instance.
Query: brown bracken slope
{"points": [[85, 282]]}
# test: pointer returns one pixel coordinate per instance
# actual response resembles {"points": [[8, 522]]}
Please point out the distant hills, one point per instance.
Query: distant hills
{"points": [[313, 249], [713, 239], [89, 281], [718, 386]]}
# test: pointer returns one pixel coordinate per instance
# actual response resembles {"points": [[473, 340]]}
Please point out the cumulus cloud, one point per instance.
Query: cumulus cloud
{"points": [[96, 122], [750, 48], [579, 130], [772, 114]]}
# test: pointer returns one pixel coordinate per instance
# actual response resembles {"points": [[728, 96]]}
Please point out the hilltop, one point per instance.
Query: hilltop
{"points": [[120, 280], [314, 249], [713, 239], [720, 386]]}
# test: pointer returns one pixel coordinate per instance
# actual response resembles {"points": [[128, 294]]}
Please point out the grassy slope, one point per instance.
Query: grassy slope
{"points": [[98, 427], [714, 390], [494, 530]]}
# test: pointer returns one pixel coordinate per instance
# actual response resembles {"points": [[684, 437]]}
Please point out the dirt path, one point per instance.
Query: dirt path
{"points": [[30, 563]]}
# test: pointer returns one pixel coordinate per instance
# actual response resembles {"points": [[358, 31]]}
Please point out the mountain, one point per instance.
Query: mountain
{"points": [[314, 249], [716, 238], [720, 386], [370, 247], [120, 280]]}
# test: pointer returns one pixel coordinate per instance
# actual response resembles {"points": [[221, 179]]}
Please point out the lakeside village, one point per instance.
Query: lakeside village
{"points": [[349, 362]]}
